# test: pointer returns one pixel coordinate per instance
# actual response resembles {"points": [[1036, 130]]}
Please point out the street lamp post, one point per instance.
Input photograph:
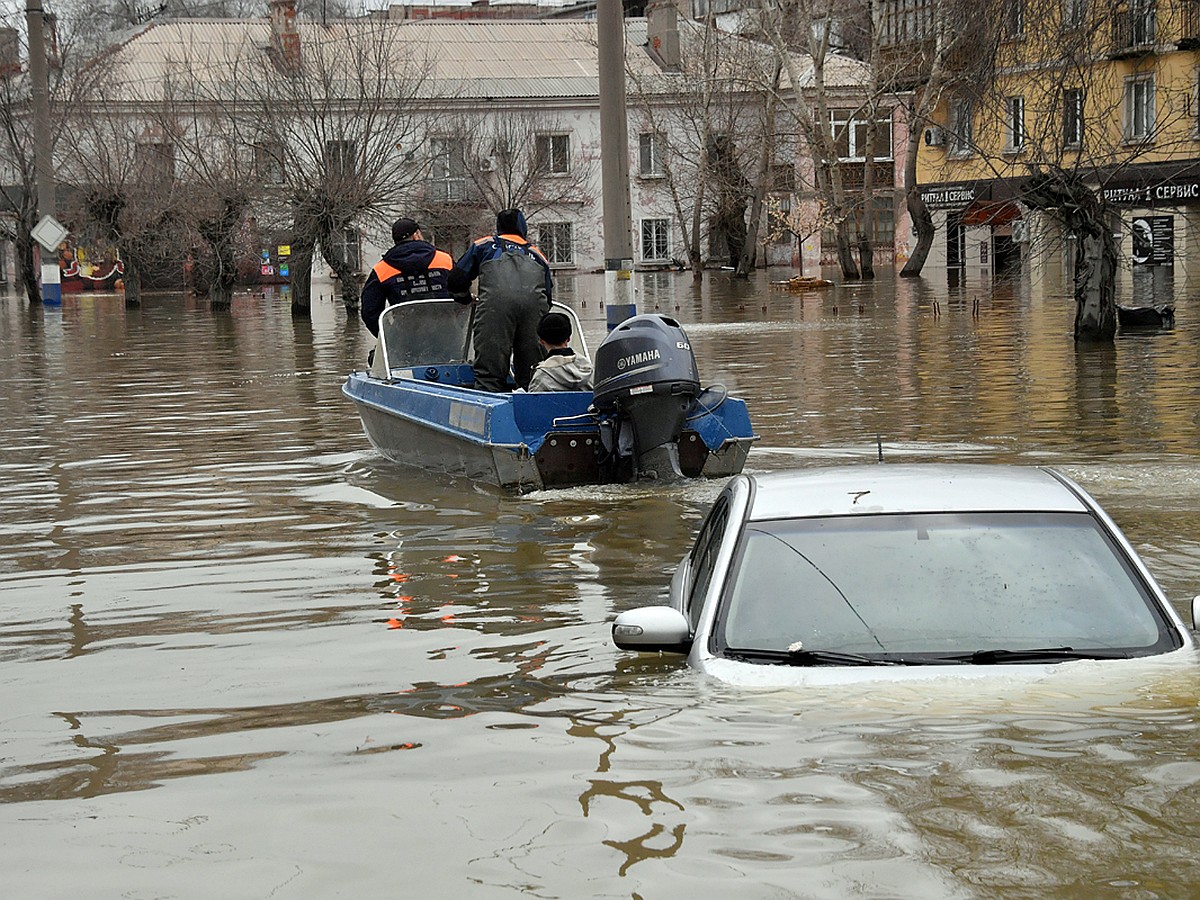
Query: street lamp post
{"points": [[43, 157], [614, 161]]}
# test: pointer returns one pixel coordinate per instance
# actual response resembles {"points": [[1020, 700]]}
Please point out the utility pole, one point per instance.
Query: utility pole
{"points": [[614, 161], [43, 157]]}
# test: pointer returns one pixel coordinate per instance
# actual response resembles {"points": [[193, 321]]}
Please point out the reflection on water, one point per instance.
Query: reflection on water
{"points": [[224, 619]]}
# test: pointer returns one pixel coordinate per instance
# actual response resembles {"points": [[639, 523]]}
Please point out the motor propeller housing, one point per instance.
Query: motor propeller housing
{"points": [[646, 381]]}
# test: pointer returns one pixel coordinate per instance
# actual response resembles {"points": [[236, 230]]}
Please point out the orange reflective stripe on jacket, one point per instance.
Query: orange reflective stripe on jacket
{"points": [[384, 270]]}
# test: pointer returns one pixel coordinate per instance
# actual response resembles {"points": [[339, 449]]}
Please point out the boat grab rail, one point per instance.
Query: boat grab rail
{"points": [[707, 410]]}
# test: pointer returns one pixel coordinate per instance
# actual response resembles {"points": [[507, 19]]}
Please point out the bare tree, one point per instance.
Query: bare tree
{"points": [[1075, 99], [705, 122], [18, 178], [475, 166], [344, 112], [806, 25], [122, 172]]}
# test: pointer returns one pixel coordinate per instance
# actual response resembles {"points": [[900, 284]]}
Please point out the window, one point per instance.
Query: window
{"points": [[1014, 124], [447, 169], [880, 225], [656, 240], [1014, 19], [553, 153], [155, 162], [1074, 13], [347, 248], [703, 558], [1141, 22], [268, 163], [961, 139], [340, 158], [556, 242], [1072, 117], [850, 136], [905, 21], [1139, 108], [651, 149]]}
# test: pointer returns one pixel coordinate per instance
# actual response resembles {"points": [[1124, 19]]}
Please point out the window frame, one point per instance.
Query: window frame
{"points": [[655, 237], [960, 137], [1072, 104], [1014, 124], [551, 157], [1139, 107], [445, 183], [549, 243], [651, 154]]}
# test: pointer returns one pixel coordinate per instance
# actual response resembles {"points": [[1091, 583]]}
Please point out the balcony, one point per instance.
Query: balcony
{"points": [[1133, 32], [1189, 25]]}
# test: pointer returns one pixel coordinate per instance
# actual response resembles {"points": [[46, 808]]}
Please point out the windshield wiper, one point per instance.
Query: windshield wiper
{"points": [[1034, 654], [812, 657]]}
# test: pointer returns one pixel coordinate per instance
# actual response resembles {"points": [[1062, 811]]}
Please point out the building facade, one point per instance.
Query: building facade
{"points": [[1102, 92]]}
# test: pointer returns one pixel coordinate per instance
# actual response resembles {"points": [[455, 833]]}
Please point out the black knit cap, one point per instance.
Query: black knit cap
{"points": [[554, 328], [511, 221], [404, 229]]}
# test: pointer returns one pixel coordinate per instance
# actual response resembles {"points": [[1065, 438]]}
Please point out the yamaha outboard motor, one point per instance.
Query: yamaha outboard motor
{"points": [[645, 382]]}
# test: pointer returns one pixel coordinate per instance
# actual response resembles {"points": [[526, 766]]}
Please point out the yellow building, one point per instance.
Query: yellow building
{"points": [[1104, 91]]}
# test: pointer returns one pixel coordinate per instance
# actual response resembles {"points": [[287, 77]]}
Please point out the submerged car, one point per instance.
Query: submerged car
{"points": [[926, 569]]}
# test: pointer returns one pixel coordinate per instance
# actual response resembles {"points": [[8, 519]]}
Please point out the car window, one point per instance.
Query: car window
{"points": [[938, 584], [704, 557]]}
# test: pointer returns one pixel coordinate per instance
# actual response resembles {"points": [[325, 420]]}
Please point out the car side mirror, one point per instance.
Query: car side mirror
{"points": [[652, 628], [1196, 613]]}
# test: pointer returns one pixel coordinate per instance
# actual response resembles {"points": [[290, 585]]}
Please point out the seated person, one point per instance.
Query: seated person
{"points": [[561, 370]]}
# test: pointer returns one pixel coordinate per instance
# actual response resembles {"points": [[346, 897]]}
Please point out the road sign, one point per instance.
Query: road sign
{"points": [[49, 233]]}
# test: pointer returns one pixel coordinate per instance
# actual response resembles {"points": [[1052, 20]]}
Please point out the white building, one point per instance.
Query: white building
{"points": [[536, 78]]}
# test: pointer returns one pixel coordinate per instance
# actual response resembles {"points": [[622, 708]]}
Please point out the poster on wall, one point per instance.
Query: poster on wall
{"points": [[1154, 240]]}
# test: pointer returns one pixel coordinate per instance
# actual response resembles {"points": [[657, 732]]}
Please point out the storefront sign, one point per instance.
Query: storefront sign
{"points": [[1153, 240], [1170, 192], [953, 196]]}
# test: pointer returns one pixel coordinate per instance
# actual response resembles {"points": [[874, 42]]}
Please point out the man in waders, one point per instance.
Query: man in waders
{"points": [[514, 293], [412, 270]]}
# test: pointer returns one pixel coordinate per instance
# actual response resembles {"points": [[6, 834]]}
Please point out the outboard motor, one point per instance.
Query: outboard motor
{"points": [[645, 382]]}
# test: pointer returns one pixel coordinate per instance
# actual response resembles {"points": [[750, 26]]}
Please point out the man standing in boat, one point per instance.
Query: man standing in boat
{"points": [[412, 270], [514, 292]]}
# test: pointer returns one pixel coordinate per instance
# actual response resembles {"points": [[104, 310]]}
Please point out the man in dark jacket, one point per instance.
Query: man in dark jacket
{"points": [[514, 291], [412, 270]]}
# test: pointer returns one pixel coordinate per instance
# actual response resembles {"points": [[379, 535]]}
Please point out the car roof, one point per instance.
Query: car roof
{"points": [[911, 488]]}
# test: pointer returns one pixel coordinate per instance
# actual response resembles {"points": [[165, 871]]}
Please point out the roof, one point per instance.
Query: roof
{"points": [[909, 488], [496, 59]]}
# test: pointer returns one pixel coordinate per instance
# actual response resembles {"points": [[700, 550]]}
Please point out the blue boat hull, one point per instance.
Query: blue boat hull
{"points": [[526, 441]]}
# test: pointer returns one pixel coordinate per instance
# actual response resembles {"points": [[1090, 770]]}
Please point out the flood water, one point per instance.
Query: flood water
{"points": [[244, 656]]}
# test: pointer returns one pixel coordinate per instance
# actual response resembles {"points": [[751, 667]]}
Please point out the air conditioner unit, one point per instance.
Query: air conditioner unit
{"points": [[935, 137], [487, 164]]}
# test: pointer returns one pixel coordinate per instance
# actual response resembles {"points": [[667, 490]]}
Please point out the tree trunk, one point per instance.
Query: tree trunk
{"points": [[346, 276], [844, 255], [301, 263], [1095, 284], [27, 274], [921, 218], [133, 284], [923, 224]]}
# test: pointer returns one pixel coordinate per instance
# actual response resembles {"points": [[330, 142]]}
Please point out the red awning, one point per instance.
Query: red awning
{"points": [[991, 212]]}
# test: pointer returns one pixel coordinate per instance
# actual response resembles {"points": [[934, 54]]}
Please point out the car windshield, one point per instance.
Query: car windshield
{"points": [[933, 587]]}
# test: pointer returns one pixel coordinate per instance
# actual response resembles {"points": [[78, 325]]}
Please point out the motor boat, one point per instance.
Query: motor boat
{"points": [[648, 417]]}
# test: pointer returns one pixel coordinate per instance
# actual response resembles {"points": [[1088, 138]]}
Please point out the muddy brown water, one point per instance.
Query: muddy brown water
{"points": [[244, 656]]}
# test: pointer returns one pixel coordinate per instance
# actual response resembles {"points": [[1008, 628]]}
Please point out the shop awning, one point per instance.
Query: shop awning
{"points": [[991, 212]]}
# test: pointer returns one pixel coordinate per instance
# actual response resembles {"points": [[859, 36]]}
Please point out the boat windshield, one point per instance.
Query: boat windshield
{"points": [[927, 587], [423, 333]]}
